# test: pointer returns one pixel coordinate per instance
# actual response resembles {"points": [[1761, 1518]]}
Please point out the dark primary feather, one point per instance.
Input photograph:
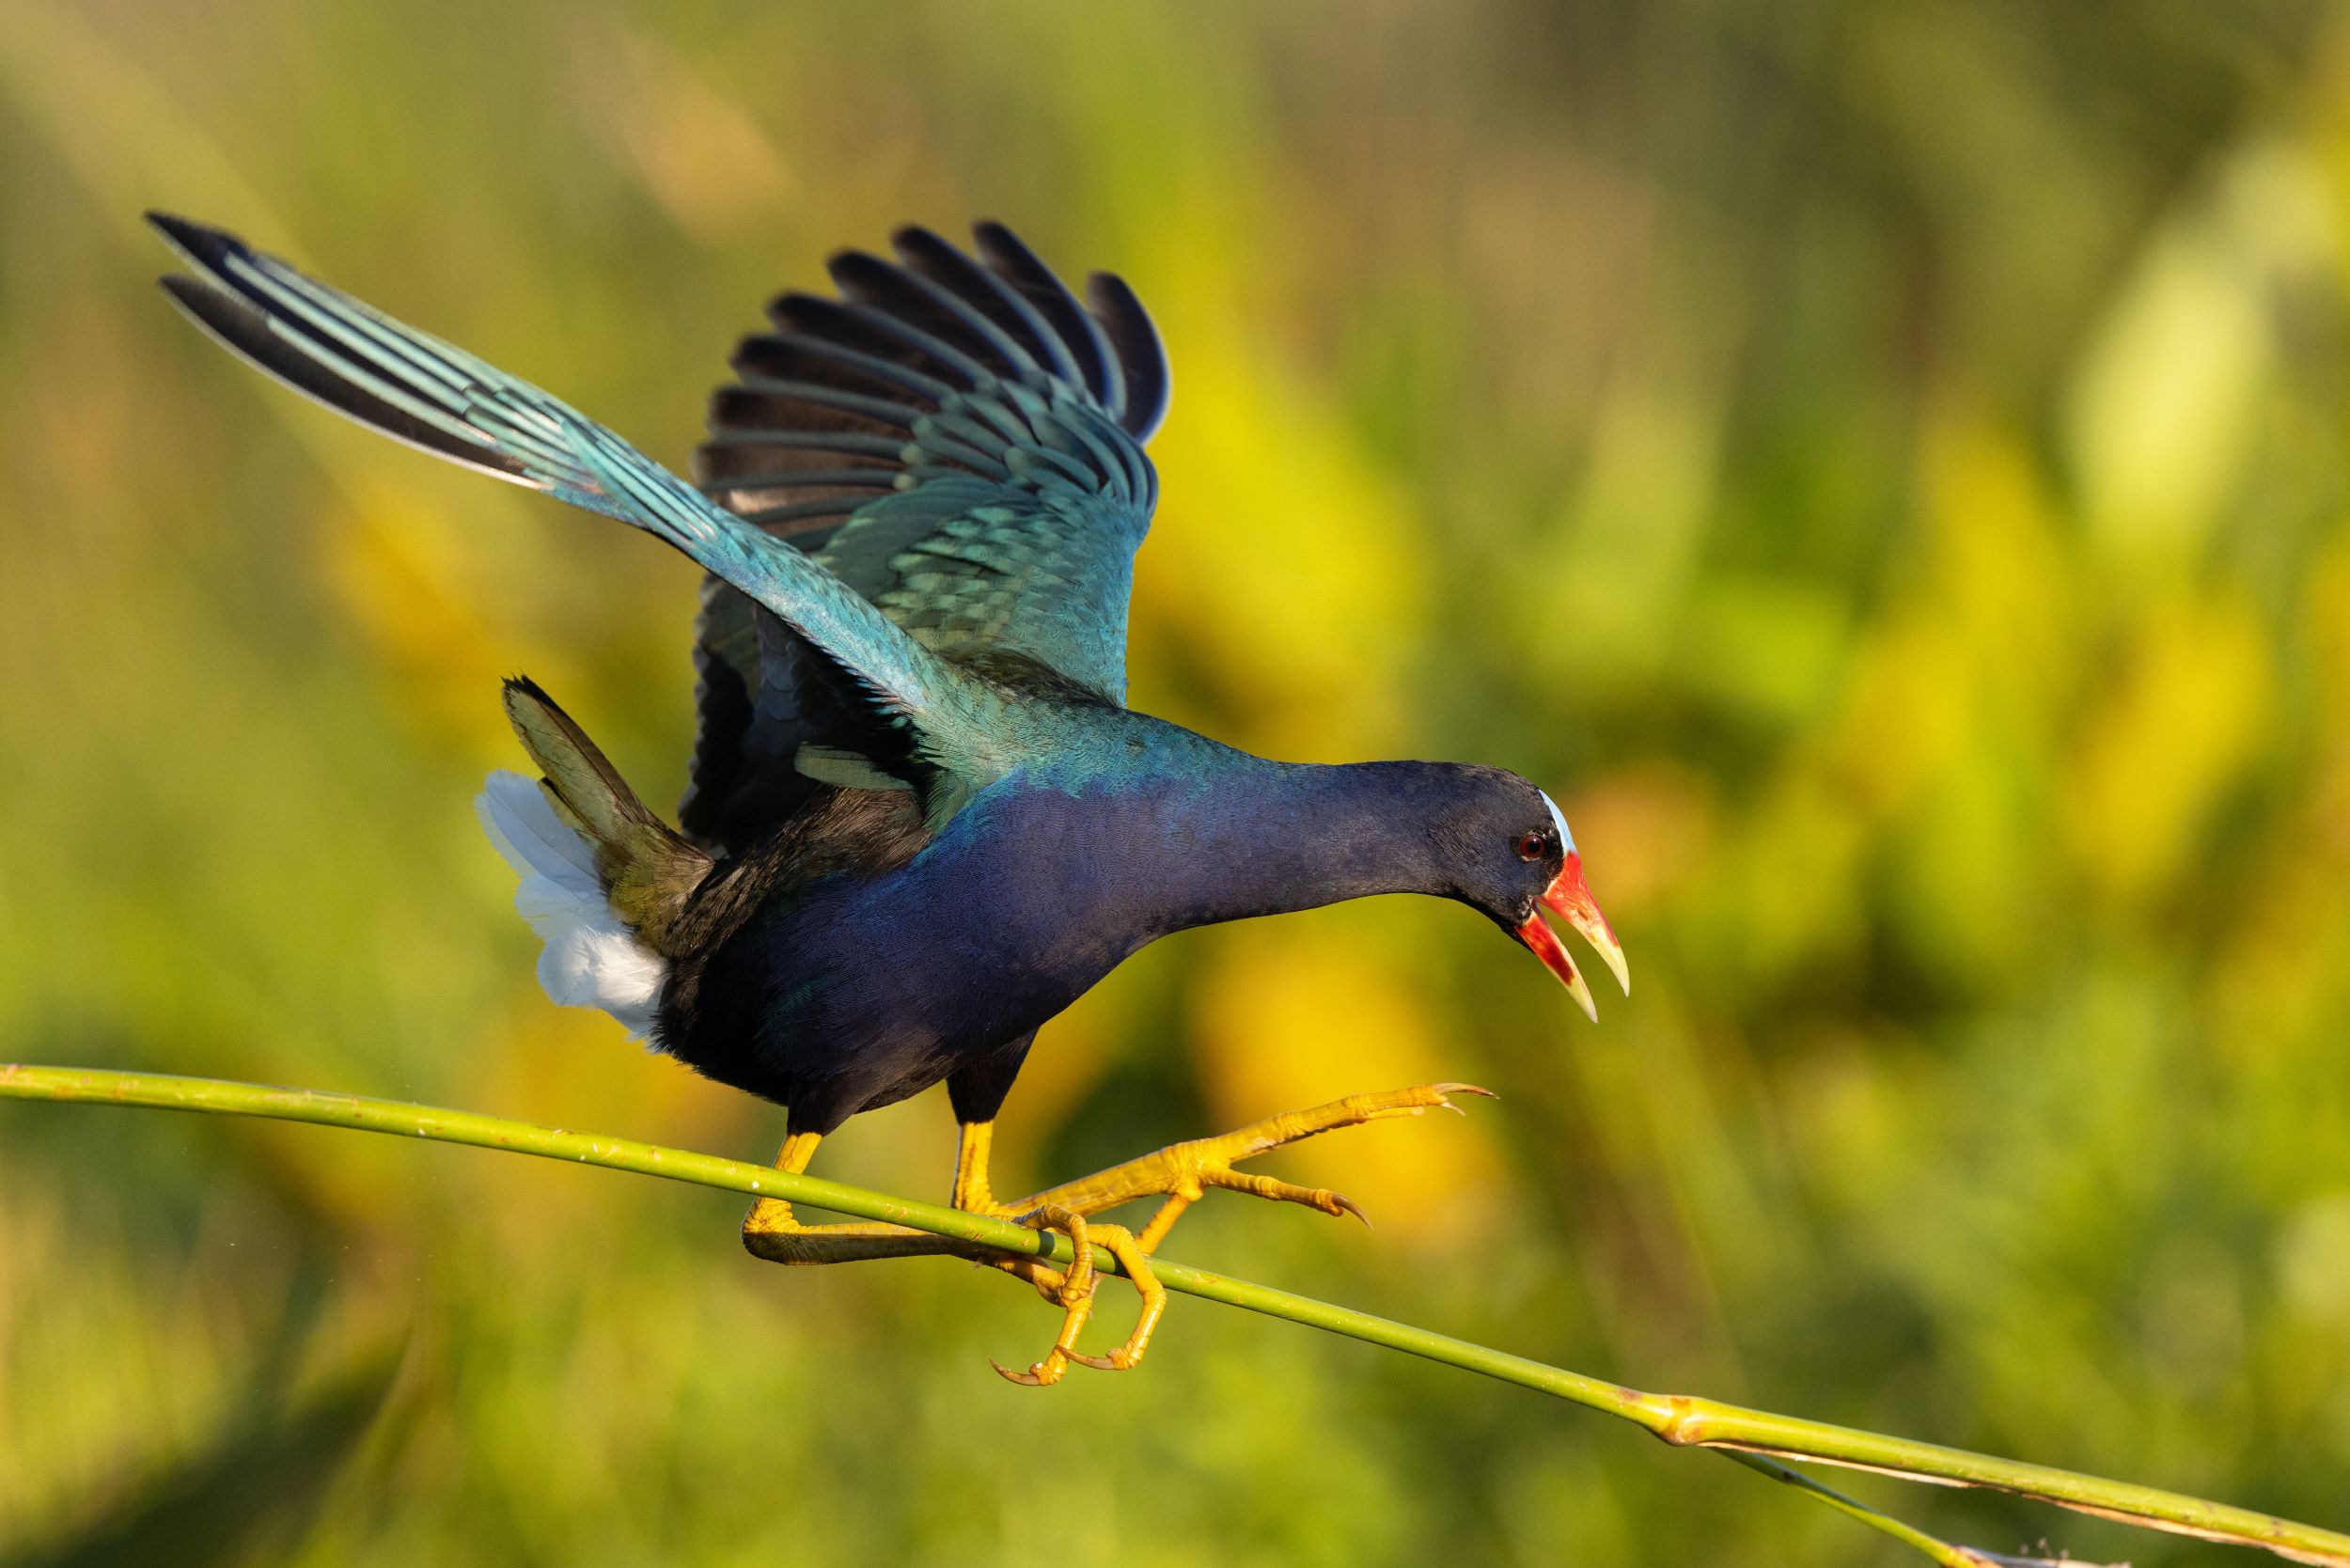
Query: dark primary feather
{"points": [[237, 323], [1141, 357], [1009, 258], [959, 439]]}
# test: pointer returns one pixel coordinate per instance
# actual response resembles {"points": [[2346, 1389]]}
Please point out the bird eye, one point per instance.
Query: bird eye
{"points": [[1530, 846]]}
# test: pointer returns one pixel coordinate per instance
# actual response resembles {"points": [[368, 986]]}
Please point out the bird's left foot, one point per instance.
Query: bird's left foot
{"points": [[1073, 1291]]}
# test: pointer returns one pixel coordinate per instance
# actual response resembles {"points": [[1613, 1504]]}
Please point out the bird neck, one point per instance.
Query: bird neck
{"points": [[1298, 836]]}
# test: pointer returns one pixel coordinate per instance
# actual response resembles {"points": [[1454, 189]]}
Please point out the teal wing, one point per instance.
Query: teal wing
{"points": [[902, 699], [959, 439]]}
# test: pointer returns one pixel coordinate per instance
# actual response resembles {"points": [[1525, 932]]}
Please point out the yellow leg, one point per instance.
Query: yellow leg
{"points": [[973, 1143]]}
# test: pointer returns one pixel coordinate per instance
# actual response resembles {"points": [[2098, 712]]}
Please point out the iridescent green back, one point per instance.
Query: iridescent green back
{"points": [[960, 441]]}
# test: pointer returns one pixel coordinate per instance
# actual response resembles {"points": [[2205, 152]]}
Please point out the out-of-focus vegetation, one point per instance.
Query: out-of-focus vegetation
{"points": [[1886, 466]]}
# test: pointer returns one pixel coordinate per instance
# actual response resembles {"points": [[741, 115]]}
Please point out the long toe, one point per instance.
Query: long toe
{"points": [[1332, 1203], [1124, 1246], [1073, 1292]]}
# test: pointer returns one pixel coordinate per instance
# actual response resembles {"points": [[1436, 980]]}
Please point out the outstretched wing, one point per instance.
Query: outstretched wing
{"points": [[960, 440], [381, 373]]}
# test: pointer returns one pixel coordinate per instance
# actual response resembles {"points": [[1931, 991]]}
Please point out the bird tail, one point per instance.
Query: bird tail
{"points": [[605, 880]]}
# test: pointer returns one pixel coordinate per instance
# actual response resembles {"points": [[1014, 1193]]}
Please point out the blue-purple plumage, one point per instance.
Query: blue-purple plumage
{"points": [[922, 822]]}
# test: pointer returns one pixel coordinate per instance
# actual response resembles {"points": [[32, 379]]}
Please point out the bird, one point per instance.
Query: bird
{"points": [[921, 818]]}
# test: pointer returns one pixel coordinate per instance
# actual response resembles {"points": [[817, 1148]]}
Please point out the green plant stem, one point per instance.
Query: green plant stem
{"points": [[1917, 1540], [1908, 1535], [1680, 1420]]}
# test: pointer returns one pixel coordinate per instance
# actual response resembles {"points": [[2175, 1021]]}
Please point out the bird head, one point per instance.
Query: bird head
{"points": [[1509, 854]]}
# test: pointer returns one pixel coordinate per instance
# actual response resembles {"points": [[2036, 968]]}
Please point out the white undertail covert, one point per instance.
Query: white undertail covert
{"points": [[591, 958]]}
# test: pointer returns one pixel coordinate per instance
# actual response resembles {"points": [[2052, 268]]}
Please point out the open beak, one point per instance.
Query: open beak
{"points": [[1570, 896]]}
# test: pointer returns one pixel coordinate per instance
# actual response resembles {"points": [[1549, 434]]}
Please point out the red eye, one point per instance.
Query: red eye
{"points": [[1531, 847]]}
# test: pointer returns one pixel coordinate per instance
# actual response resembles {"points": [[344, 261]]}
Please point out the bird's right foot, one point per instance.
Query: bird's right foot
{"points": [[1182, 1173]]}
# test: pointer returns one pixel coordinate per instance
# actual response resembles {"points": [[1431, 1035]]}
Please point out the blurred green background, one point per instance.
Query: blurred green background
{"points": [[1886, 467]]}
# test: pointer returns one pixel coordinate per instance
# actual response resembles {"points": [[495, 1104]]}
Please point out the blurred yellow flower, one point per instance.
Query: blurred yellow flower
{"points": [[2175, 731]]}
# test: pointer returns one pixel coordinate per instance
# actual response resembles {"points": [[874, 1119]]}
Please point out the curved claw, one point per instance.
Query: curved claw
{"points": [[1041, 1375]]}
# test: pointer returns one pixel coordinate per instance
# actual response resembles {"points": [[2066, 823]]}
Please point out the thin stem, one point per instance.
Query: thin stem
{"points": [[1917, 1540], [1680, 1420]]}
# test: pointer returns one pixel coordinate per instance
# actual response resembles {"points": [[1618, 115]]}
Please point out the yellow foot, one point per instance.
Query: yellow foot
{"points": [[769, 1231], [1073, 1291], [1182, 1172]]}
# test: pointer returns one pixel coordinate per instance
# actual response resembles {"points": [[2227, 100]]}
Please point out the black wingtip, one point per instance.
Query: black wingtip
{"points": [[231, 320], [201, 245], [193, 295], [1141, 352], [916, 236], [1010, 258]]}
